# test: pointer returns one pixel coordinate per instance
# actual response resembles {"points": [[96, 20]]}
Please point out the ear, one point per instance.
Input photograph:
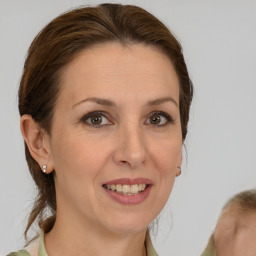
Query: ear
{"points": [[37, 141], [178, 171]]}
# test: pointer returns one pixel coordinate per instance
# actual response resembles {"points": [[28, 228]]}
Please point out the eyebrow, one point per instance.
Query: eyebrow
{"points": [[162, 100], [106, 102]]}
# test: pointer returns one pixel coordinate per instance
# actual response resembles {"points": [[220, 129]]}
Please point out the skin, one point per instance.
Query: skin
{"points": [[125, 145], [235, 233]]}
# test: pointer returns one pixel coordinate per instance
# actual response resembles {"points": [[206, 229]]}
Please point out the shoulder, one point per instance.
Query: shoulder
{"points": [[31, 250], [19, 253]]}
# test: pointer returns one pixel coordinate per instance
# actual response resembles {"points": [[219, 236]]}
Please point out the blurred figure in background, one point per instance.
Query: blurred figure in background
{"points": [[235, 232]]}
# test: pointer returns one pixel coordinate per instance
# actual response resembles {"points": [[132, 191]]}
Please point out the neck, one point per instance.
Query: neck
{"points": [[76, 238]]}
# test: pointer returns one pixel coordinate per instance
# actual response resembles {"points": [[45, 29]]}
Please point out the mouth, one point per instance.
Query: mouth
{"points": [[127, 191]]}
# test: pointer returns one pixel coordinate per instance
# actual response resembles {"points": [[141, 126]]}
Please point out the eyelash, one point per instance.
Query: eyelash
{"points": [[95, 113], [169, 119], [85, 118]]}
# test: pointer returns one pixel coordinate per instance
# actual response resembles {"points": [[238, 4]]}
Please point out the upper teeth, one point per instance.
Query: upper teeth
{"points": [[127, 189]]}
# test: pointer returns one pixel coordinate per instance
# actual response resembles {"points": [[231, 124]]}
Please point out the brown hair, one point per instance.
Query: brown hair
{"points": [[239, 204], [60, 42], [243, 202]]}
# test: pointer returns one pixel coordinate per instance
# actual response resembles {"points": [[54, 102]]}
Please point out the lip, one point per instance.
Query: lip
{"points": [[129, 199], [128, 181]]}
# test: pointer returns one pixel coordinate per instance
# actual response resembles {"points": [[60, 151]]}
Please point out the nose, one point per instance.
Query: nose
{"points": [[131, 147]]}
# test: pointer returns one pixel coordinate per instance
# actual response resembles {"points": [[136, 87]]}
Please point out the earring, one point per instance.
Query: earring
{"points": [[178, 167], [44, 168]]}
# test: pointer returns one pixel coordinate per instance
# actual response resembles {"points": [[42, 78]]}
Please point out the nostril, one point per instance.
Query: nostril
{"points": [[127, 164], [123, 162]]}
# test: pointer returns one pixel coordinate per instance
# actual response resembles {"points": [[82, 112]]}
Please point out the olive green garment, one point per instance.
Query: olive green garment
{"points": [[42, 252], [209, 252], [19, 253]]}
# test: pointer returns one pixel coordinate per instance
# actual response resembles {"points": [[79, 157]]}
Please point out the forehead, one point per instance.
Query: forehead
{"points": [[114, 66], [120, 54]]}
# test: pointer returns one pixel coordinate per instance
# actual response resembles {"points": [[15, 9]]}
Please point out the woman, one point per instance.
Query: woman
{"points": [[104, 102], [235, 232]]}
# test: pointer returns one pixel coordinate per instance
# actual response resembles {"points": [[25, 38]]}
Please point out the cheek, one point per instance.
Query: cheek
{"points": [[166, 154], [78, 162], [76, 155]]}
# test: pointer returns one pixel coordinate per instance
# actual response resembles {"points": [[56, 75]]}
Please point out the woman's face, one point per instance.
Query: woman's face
{"points": [[116, 138]]}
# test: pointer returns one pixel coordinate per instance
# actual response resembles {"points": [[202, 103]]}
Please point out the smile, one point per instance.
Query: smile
{"points": [[128, 191]]}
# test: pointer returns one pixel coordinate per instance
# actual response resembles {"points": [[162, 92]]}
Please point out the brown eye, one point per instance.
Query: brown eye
{"points": [[155, 119], [96, 119], [159, 119]]}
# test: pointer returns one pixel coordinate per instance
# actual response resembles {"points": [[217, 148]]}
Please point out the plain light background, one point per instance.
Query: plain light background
{"points": [[219, 39]]}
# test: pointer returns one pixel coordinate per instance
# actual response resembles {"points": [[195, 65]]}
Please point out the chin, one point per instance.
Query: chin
{"points": [[129, 223]]}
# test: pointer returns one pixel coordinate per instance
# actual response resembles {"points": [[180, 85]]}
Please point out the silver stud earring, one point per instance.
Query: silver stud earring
{"points": [[44, 168]]}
